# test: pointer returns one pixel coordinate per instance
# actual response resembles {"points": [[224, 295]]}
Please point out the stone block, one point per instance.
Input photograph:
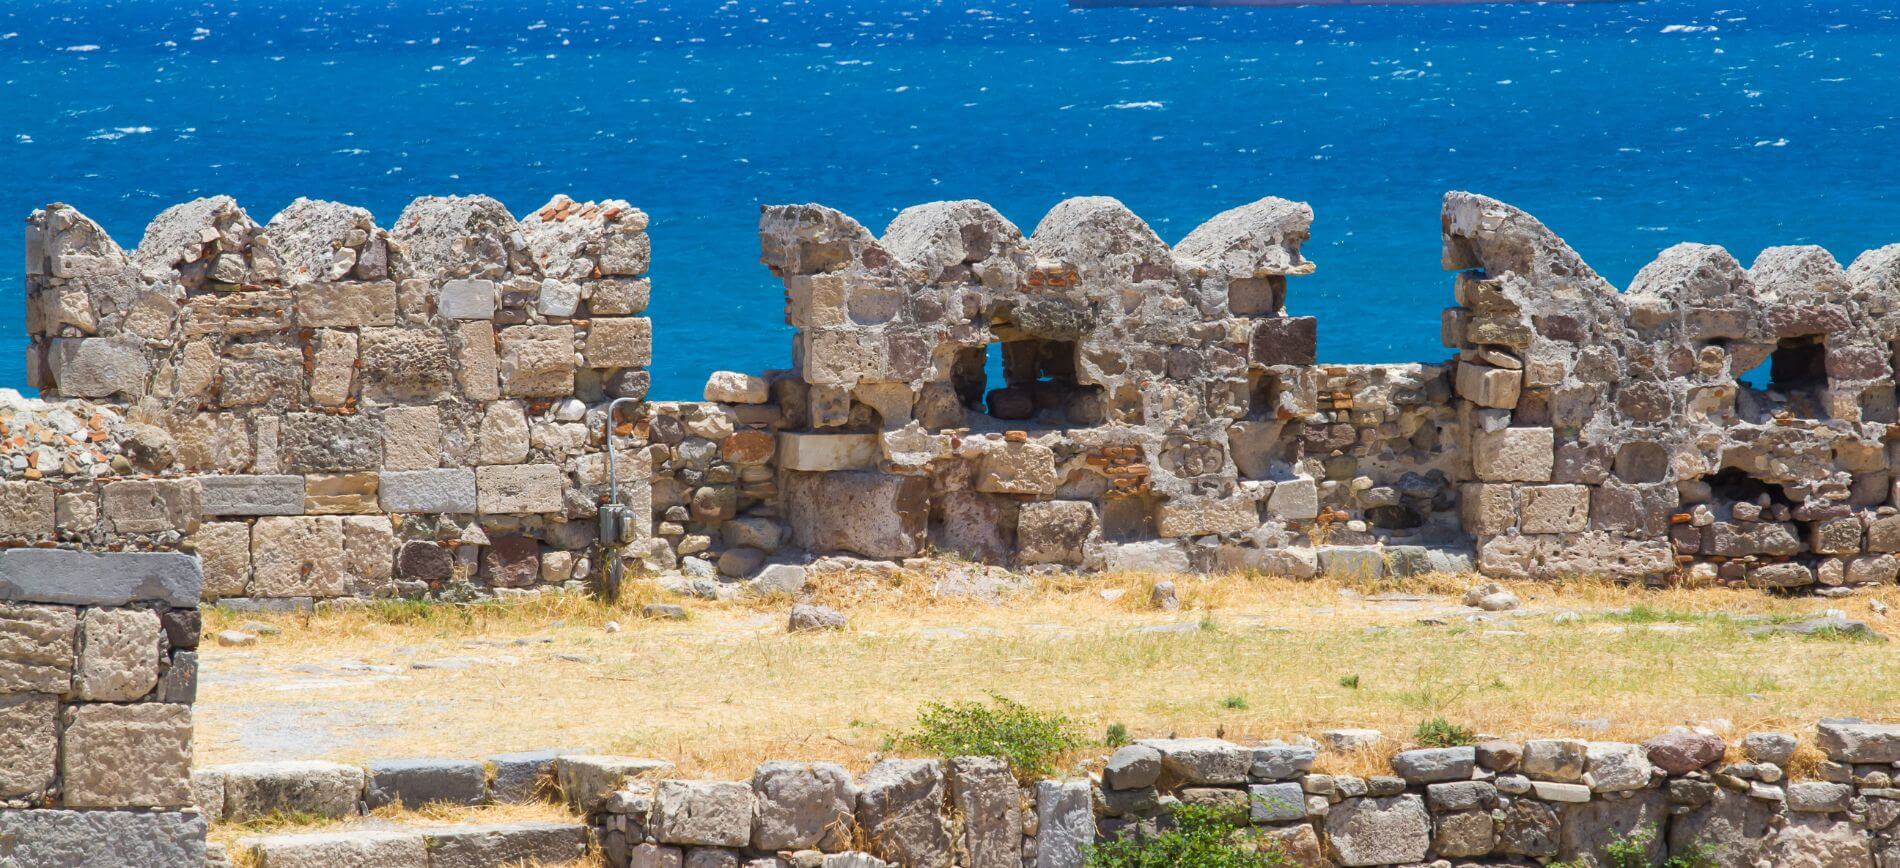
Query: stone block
{"points": [[1464, 834], [251, 495], [207, 793], [478, 368], [215, 443], [353, 848], [179, 682], [1487, 386], [520, 778], [504, 437], [258, 374], [537, 361], [29, 743], [589, 779], [260, 789], [1434, 764], [1556, 759], [468, 298], [1282, 762], [1286, 340], [1856, 742], [872, 514], [325, 443], [1554, 508], [799, 806], [99, 578], [826, 452], [519, 488], [1379, 831], [1487, 509], [425, 561], [402, 364], [526, 843], [619, 342], [1199, 516], [451, 490], [732, 387], [1513, 454], [166, 839], [619, 297], [298, 556], [412, 438], [1276, 803], [1017, 468], [333, 368], [1201, 761], [512, 561], [26, 508], [99, 367], [985, 796], [900, 812], [118, 658], [224, 549], [1065, 823], [346, 305], [1054, 531], [1614, 767], [126, 756], [1294, 499], [702, 813], [339, 493], [1352, 563], [36, 649], [150, 505], [413, 783]]}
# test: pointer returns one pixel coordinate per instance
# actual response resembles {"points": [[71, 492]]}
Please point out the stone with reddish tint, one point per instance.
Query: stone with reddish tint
{"points": [[425, 561], [1680, 753], [512, 562]]}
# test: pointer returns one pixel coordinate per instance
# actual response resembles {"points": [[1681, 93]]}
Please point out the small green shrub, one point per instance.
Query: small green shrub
{"points": [[1029, 740], [1200, 836], [1235, 702], [1439, 732], [1116, 736], [1350, 682], [1632, 851]]}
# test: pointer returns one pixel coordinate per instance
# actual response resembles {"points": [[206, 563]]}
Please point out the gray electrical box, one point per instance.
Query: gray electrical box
{"points": [[615, 527]]}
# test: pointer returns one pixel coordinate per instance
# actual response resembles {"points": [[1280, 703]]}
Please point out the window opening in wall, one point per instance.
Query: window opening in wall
{"points": [[1794, 377], [1032, 377]]}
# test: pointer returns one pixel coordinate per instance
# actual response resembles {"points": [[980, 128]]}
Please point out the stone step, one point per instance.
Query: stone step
{"points": [[464, 846]]}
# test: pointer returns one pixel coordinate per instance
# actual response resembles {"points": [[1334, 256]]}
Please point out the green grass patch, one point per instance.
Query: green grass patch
{"points": [[1029, 740], [1199, 836]]}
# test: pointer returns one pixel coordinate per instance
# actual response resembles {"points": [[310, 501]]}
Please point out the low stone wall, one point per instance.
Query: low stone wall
{"points": [[98, 672]]}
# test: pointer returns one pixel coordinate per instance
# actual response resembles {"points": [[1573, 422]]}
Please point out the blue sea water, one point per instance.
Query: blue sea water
{"points": [[1626, 127]]}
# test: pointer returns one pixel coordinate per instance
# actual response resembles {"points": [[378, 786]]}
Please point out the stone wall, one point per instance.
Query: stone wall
{"points": [[1500, 801], [422, 409], [98, 672], [327, 407]]}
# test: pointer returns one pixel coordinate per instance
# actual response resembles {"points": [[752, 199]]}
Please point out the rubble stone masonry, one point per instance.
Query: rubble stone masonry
{"points": [[321, 407]]}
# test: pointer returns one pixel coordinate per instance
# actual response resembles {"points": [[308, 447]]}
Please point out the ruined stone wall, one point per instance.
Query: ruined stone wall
{"points": [[324, 407]]}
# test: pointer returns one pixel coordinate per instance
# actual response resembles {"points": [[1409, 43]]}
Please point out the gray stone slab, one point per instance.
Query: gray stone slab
{"points": [[267, 604], [448, 490], [528, 843], [522, 777], [71, 839], [251, 495], [417, 782], [99, 578]]}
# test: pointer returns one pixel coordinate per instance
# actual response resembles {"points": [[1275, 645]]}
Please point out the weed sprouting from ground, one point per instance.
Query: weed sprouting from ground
{"points": [[1199, 836], [1439, 732], [1029, 740]]}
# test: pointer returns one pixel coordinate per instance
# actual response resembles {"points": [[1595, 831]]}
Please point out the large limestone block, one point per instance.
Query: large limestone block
{"points": [[125, 756], [1294, 499], [1855, 742], [1614, 767], [990, 806], [1054, 531], [526, 843], [801, 806], [825, 452], [99, 367], [339, 493], [298, 556], [1379, 831], [478, 367], [1065, 823], [224, 547], [620, 297], [1018, 468], [900, 811], [72, 839], [1513, 454], [1201, 761], [357, 848], [1487, 386], [1489, 509], [702, 813], [537, 361], [346, 305], [1554, 508], [251, 495], [260, 789], [401, 364], [619, 342], [150, 505], [99, 578], [417, 782], [119, 652], [468, 298], [412, 438], [325, 443], [36, 648], [29, 742], [26, 508], [870, 513], [449, 490], [334, 368], [732, 387], [519, 488], [504, 437], [587, 780], [369, 544], [1199, 516]]}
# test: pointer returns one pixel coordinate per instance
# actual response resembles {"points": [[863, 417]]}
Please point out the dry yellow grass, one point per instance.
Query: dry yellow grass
{"points": [[729, 687]]}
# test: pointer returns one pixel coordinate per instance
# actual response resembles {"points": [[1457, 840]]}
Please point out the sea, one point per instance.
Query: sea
{"points": [[1626, 127]]}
